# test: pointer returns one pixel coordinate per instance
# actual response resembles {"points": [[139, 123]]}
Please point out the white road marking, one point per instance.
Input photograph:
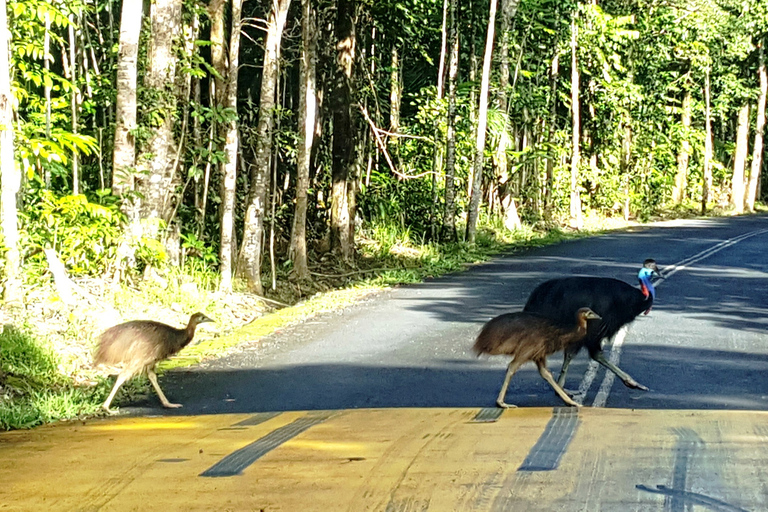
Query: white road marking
{"points": [[605, 387]]}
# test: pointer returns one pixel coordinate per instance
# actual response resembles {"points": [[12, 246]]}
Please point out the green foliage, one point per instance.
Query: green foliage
{"points": [[35, 391], [84, 234]]}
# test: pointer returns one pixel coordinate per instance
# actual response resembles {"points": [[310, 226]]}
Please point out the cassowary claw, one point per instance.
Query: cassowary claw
{"points": [[635, 385]]}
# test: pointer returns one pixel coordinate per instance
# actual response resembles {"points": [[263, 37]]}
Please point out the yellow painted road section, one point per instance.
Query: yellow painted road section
{"points": [[394, 460]]}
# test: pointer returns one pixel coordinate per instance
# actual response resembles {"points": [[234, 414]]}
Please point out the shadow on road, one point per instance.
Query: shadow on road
{"points": [[702, 379]]}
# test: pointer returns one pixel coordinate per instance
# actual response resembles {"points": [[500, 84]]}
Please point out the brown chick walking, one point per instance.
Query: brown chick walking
{"points": [[530, 337], [137, 346]]}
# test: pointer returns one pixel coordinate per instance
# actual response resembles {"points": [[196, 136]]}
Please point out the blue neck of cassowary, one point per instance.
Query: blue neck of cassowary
{"points": [[646, 285]]}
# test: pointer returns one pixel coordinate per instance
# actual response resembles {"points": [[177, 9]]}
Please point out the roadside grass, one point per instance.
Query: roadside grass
{"points": [[39, 384]]}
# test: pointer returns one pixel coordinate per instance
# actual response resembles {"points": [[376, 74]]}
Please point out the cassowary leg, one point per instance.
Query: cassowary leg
{"points": [[624, 376], [511, 369], [121, 378], [153, 379], [547, 376], [567, 358]]}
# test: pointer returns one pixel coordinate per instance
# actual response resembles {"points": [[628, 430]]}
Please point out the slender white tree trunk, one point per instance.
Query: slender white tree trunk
{"points": [[482, 121], [757, 149], [511, 218], [10, 174], [706, 187], [448, 230], [229, 175], [739, 161], [307, 110], [342, 186], [159, 153], [681, 178], [251, 248], [124, 157], [576, 218]]}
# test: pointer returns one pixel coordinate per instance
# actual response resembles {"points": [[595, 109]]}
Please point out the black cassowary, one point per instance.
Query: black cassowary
{"points": [[137, 346], [618, 303], [530, 337]]}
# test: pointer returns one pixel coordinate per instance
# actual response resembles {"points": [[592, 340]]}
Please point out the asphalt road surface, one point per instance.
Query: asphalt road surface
{"points": [[383, 407], [703, 346]]}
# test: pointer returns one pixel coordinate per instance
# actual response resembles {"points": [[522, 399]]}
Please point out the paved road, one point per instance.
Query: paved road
{"points": [[703, 346], [383, 407]]}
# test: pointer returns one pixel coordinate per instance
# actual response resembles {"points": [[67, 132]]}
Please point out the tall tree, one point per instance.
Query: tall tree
{"points": [[449, 214], [706, 188], [10, 174], [231, 145], [681, 177], [342, 220], [575, 203], [740, 160], [511, 218], [157, 156], [307, 109], [251, 248], [757, 148], [482, 121], [124, 157]]}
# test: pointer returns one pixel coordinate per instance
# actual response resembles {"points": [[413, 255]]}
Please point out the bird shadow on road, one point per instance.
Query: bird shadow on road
{"points": [[684, 378]]}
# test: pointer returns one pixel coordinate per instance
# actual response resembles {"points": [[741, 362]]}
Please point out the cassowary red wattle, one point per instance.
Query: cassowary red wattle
{"points": [[616, 302], [530, 337]]}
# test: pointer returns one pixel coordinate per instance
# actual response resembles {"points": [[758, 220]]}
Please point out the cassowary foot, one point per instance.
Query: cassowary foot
{"points": [[631, 383], [505, 405]]}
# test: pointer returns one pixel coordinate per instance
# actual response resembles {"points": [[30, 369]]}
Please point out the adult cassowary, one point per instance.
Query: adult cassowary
{"points": [[616, 302]]}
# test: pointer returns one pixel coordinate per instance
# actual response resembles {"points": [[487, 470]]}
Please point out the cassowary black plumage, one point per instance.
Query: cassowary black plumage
{"points": [[137, 346], [618, 303], [530, 337]]}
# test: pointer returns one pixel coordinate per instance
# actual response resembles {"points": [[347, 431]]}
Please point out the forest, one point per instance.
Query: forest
{"points": [[278, 148]]}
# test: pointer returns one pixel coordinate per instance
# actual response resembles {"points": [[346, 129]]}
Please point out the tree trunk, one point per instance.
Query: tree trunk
{"points": [[554, 72], [482, 120], [395, 93], [437, 150], [507, 199], [681, 178], [449, 214], [124, 156], [10, 174], [307, 110], [706, 187], [757, 149], [740, 160], [73, 100], [343, 132], [216, 13], [158, 154], [575, 210], [249, 259], [229, 169]]}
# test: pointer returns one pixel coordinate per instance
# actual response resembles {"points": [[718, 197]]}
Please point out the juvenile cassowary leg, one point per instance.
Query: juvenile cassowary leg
{"points": [[153, 379], [567, 358], [624, 376], [547, 376], [511, 369], [121, 378]]}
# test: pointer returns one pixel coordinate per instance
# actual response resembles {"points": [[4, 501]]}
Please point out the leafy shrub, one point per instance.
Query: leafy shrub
{"points": [[84, 234]]}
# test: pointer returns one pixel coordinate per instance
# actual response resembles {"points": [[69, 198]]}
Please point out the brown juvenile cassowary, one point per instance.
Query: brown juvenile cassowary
{"points": [[137, 346], [530, 337], [618, 303]]}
